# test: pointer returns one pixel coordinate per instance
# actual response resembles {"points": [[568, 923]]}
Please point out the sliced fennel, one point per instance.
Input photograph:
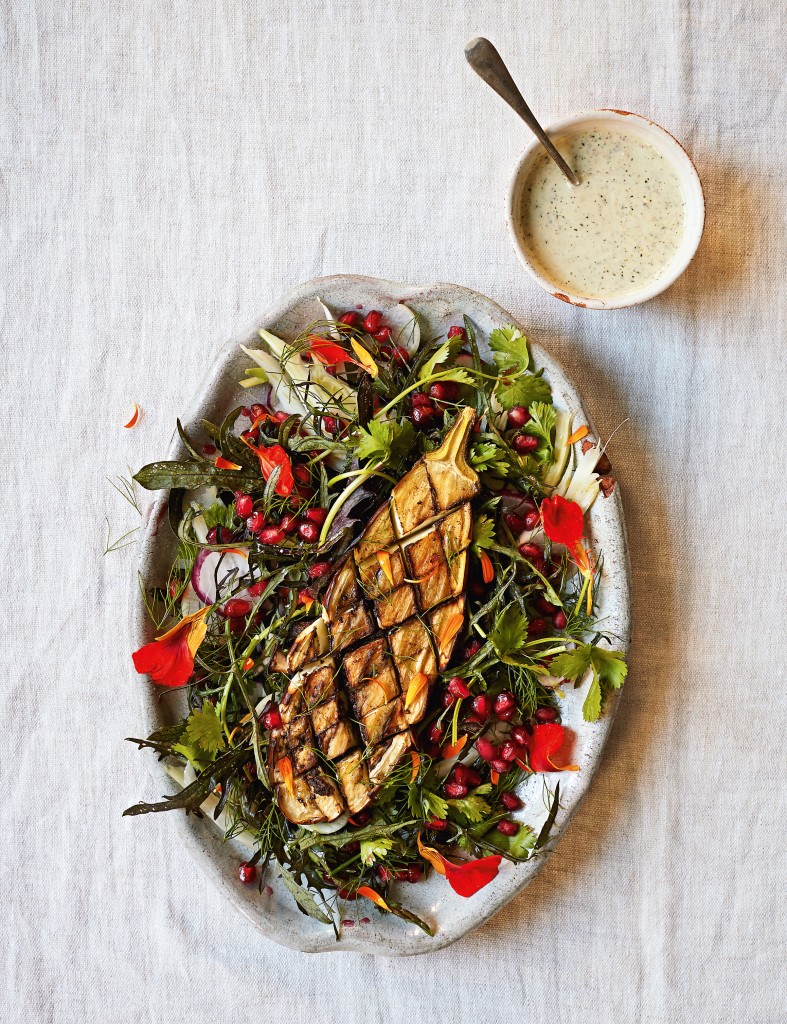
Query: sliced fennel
{"points": [[563, 425]]}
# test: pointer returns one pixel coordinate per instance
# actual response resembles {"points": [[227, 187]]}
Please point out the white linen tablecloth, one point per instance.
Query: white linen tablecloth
{"points": [[167, 170]]}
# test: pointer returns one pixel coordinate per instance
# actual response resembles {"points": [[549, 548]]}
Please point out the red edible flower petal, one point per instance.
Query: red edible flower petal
{"points": [[269, 459], [562, 520], [169, 659], [546, 742], [467, 877]]}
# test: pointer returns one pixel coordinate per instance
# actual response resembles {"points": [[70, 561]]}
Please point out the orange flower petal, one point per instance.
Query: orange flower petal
{"points": [[364, 358], [222, 463], [134, 417], [487, 569], [284, 765], [415, 757], [248, 664], [429, 853], [452, 749], [415, 689], [385, 564], [578, 434], [375, 897], [450, 628], [494, 777]]}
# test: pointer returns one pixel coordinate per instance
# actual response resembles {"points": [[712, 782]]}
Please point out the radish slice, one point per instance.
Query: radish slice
{"points": [[406, 328], [209, 565], [189, 602]]}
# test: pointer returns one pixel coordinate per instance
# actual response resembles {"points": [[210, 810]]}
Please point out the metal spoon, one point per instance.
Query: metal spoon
{"points": [[487, 63]]}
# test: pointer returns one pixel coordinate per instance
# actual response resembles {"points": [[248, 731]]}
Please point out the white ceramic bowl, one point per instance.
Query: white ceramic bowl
{"points": [[670, 148]]}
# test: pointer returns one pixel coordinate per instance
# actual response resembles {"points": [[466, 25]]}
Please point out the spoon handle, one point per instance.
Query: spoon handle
{"points": [[487, 63]]}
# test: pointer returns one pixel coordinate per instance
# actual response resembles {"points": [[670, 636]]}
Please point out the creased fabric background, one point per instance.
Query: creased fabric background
{"points": [[167, 170]]}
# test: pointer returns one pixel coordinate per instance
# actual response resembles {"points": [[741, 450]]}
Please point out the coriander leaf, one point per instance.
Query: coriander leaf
{"points": [[385, 440], [473, 808], [518, 845], [573, 664], [509, 349], [540, 425], [442, 355], [432, 805], [523, 390], [489, 456], [483, 533], [612, 669], [609, 672], [219, 514], [374, 849], [591, 709], [510, 632], [204, 729]]}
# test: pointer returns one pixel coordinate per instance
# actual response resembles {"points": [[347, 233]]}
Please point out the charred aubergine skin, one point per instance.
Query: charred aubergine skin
{"points": [[361, 676]]}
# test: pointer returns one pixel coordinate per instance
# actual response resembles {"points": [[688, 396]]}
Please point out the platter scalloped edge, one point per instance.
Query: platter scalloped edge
{"points": [[276, 915]]}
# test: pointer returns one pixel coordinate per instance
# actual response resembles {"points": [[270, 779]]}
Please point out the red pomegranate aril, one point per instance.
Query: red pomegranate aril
{"points": [[317, 515], [258, 589], [237, 608], [246, 413], [373, 321], [470, 649], [430, 749], [244, 506], [219, 535], [482, 706], [518, 416], [330, 424], [350, 318], [271, 535], [309, 532], [436, 824], [419, 398], [519, 735], [448, 699], [487, 749], [301, 474], [545, 714], [458, 687], [544, 606], [422, 417], [510, 801], [509, 751], [505, 701], [383, 335], [536, 627], [382, 873], [499, 765], [456, 332], [459, 774], [257, 410], [288, 522], [472, 778], [515, 523], [559, 620], [251, 435], [524, 443], [401, 355], [455, 790], [532, 552], [444, 391], [434, 733], [305, 596], [531, 519], [237, 626], [347, 894], [271, 718], [281, 416], [209, 449], [506, 827], [247, 873], [362, 817], [319, 569], [415, 873], [255, 523]]}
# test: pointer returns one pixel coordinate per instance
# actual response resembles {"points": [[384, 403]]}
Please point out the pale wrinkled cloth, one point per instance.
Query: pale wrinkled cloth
{"points": [[168, 170]]}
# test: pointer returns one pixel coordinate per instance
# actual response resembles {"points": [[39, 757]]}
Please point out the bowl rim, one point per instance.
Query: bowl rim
{"points": [[691, 187]]}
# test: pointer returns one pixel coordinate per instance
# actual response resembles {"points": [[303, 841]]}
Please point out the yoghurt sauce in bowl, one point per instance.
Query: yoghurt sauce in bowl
{"points": [[627, 231]]}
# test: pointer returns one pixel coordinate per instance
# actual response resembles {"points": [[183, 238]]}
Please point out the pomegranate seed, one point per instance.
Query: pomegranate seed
{"points": [[456, 332], [444, 391], [431, 749], [247, 873], [546, 714], [305, 595], [437, 824], [401, 355], [319, 569], [482, 706], [532, 552], [435, 732], [509, 751], [244, 506], [520, 735], [505, 702], [317, 515], [470, 649], [288, 522], [350, 318], [373, 321], [455, 790], [524, 443], [271, 535], [219, 535], [419, 398], [448, 699], [255, 522], [458, 687], [415, 873], [309, 532], [487, 749], [472, 778], [301, 474], [506, 827], [544, 606], [363, 817], [237, 626], [510, 801], [246, 413], [209, 449], [422, 417], [330, 425], [559, 620], [531, 519], [271, 718], [251, 435], [499, 765], [459, 774], [347, 894], [382, 873], [536, 627], [280, 417], [237, 608], [383, 335], [518, 416], [515, 523], [257, 410]]}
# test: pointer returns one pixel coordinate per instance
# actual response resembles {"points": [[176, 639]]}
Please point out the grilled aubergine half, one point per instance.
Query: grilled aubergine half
{"points": [[361, 675]]}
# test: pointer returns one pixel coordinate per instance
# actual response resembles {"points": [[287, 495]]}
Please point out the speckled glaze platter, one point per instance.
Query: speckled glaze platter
{"points": [[273, 911]]}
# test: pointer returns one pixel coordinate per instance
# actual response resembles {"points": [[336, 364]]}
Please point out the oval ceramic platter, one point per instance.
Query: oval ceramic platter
{"points": [[273, 911]]}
